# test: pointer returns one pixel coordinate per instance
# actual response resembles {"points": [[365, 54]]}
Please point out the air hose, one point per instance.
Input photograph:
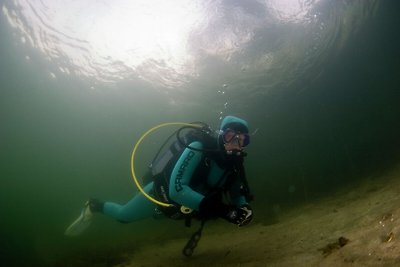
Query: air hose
{"points": [[146, 134]]}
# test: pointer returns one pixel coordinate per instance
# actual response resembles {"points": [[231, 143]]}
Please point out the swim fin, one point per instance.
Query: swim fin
{"points": [[81, 223]]}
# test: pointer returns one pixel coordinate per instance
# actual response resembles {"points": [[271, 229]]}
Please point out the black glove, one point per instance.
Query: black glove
{"points": [[240, 216], [212, 207]]}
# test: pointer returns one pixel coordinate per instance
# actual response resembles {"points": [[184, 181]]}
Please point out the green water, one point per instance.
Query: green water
{"points": [[329, 119]]}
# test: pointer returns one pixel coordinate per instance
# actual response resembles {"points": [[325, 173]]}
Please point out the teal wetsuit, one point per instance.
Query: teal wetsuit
{"points": [[180, 189]]}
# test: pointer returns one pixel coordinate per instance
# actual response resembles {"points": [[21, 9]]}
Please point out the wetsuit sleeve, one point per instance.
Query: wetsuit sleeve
{"points": [[179, 189], [240, 201], [236, 195]]}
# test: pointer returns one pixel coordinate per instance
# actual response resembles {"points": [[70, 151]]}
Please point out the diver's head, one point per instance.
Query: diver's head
{"points": [[234, 135]]}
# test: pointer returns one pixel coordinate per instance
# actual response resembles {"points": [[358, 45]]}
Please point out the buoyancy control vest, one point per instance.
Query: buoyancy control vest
{"points": [[164, 162]]}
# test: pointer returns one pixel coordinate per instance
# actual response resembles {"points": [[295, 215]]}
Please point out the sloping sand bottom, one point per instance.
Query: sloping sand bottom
{"points": [[367, 215]]}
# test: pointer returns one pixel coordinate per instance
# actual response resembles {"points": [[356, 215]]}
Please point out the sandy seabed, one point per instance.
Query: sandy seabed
{"points": [[365, 216]]}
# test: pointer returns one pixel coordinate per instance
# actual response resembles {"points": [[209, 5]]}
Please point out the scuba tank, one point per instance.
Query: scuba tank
{"points": [[164, 161]]}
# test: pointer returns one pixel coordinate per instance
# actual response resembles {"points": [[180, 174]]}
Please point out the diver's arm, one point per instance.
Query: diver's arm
{"points": [[236, 195], [239, 191], [179, 190], [239, 201]]}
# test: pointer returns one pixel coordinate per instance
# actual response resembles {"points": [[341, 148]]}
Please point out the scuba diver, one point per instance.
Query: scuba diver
{"points": [[202, 177]]}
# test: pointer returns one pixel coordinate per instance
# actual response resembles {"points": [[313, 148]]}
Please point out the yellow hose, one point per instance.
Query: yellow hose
{"points": [[134, 153]]}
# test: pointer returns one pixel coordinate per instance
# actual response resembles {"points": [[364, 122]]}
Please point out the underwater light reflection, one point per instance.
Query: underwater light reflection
{"points": [[109, 40], [165, 43], [291, 11]]}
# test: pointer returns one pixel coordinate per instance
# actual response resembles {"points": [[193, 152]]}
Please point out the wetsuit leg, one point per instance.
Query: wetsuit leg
{"points": [[139, 207]]}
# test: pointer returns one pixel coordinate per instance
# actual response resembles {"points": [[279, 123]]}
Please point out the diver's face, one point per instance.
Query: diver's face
{"points": [[232, 146], [234, 140]]}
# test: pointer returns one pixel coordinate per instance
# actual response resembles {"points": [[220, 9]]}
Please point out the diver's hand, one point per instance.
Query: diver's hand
{"points": [[211, 207], [240, 216]]}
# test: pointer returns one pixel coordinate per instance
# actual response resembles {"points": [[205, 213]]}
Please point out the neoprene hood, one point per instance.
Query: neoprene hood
{"points": [[234, 123]]}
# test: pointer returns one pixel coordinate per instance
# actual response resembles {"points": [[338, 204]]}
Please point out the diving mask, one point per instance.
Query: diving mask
{"points": [[230, 135]]}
